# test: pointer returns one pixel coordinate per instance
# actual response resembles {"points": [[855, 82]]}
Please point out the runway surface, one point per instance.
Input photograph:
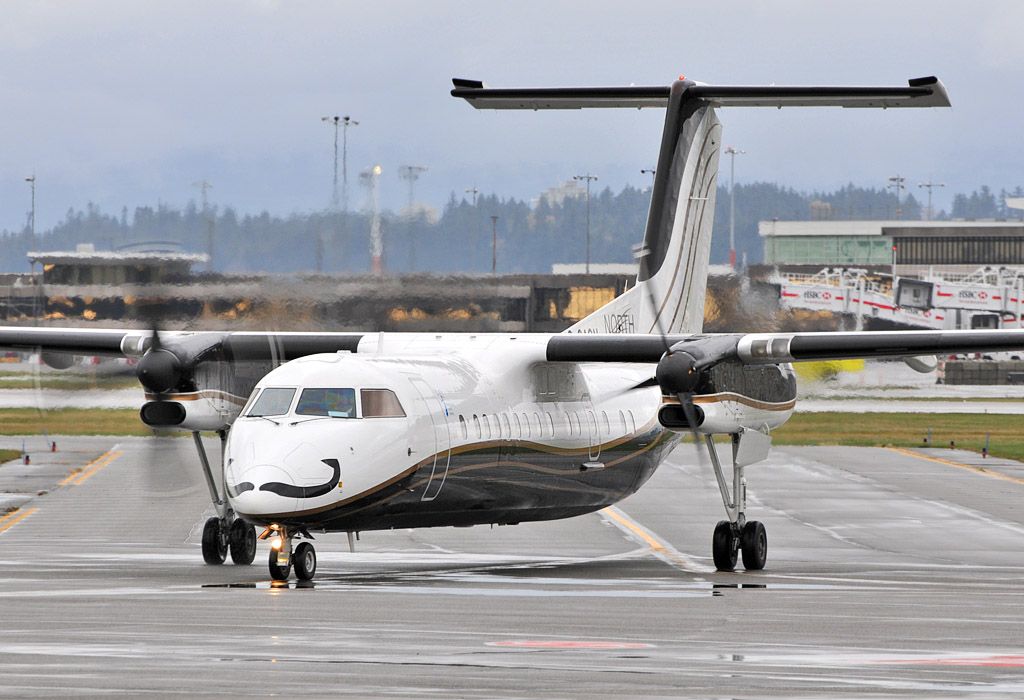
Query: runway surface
{"points": [[890, 573]]}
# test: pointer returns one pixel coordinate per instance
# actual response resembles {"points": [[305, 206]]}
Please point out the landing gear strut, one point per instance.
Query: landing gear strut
{"points": [[224, 533], [737, 533]]}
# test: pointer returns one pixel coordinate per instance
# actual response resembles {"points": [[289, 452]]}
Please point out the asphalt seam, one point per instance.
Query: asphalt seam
{"points": [[959, 465]]}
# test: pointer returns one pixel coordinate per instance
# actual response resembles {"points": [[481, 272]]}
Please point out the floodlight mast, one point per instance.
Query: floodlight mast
{"points": [[588, 178], [930, 186], [733, 152], [344, 122], [411, 173], [896, 183]]}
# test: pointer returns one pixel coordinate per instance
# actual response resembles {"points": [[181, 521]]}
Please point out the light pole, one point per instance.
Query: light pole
{"points": [[203, 186], [733, 152], [896, 183], [411, 173], [649, 171], [588, 178], [494, 244], [473, 191], [344, 122], [31, 180], [930, 185]]}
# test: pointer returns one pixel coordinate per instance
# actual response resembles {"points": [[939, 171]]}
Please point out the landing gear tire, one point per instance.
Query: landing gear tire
{"points": [[242, 540], [215, 542], [279, 573], [754, 543], [305, 562], [723, 546]]}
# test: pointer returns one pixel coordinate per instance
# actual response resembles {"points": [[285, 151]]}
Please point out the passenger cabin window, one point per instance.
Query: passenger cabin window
{"points": [[381, 403], [551, 424], [519, 426], [272, 402], [606, 422], [463, 427], [505, 424], [331, 403], [487, 425], [476, 426]]}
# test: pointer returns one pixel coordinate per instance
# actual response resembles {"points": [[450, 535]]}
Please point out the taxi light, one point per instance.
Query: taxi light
{"points": [[276, 543]]}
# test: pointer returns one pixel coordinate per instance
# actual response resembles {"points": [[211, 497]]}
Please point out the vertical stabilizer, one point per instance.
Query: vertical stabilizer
{"points": [[672, 283]]}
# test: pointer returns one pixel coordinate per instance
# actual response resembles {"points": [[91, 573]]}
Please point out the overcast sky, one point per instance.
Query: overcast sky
{"points": [[129, 103]]}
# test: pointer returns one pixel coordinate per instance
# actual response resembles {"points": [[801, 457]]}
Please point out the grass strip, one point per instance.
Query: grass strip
{"points": [[72, 421], [966, 430]]}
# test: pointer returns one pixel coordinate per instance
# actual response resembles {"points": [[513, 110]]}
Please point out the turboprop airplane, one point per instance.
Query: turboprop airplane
{"points": [[346, 432]]}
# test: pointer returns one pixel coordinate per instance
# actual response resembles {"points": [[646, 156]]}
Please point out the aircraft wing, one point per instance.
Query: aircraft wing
{"points": [[116, 343], [78, 341], [763, 348]]}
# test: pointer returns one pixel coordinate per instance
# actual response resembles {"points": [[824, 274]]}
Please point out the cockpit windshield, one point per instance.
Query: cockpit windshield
{"points": [[272, 402], [332, 403]]}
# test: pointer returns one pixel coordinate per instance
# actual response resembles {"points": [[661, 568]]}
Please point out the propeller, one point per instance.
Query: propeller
{"points": [[159, 370]]}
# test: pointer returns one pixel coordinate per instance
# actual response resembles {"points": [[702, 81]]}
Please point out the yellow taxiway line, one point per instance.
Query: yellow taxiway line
{"points": [[661, 549], [15, 517], [959, 465], [80, 476]]}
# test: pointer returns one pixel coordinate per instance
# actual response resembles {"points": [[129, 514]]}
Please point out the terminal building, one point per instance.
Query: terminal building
{"points": [[914, 247]]}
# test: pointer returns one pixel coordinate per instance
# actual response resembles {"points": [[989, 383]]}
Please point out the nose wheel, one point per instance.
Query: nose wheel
{"points": [[305, 562], [282, 558]]}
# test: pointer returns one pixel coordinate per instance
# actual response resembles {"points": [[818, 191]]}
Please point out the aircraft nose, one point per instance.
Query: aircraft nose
{"points": [[248, 499]]}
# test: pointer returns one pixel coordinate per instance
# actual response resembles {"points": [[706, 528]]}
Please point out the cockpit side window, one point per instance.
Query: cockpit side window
{"points": [[272, 402], [380, 403], [332, 403]]}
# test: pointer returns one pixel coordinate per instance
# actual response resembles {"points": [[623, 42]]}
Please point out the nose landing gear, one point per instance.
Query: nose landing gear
{"points": [[282, 558]]}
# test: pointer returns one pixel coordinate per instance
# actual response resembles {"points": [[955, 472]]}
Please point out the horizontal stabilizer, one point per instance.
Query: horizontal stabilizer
{"points": [[919, 92]]}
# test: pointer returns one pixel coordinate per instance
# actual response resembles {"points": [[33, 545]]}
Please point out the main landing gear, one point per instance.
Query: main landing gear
{"points": [[221, 537], [224, 533], [282, 558], [737, 534]]}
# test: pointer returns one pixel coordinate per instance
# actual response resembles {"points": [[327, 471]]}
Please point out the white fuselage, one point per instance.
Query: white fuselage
{"points": [[491, 432]]}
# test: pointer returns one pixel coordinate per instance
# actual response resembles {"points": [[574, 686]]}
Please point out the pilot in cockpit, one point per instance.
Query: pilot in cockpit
{"points": [[333, 403], [340, 404]]}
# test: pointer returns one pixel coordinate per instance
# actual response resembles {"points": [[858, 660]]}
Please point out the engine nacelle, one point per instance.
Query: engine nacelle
{"points": [[184, 412], [718, 414]]}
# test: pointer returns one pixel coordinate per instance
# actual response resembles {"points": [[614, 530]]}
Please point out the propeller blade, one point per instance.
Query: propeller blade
{"points": [[686, 401]]}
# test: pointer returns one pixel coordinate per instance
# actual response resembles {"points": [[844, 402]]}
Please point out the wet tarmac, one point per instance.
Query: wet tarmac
{"points": [[890, 573]]}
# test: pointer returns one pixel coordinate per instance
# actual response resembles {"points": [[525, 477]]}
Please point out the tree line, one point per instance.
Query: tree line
{"points": [[531, 236]]}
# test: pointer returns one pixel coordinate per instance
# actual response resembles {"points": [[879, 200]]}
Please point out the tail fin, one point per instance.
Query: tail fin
{"points": [[669, 295]]}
